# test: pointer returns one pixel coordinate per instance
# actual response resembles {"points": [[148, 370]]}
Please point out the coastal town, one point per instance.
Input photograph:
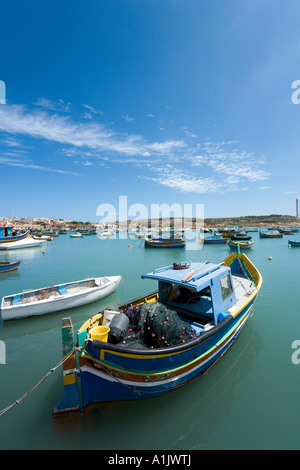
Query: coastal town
{"points": [[63, 225]]}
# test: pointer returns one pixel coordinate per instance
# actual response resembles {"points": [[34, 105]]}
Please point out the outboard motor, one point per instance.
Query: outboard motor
{"points": [[118, 327]]}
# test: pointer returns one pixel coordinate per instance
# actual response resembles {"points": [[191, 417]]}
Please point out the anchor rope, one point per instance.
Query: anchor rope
{"points": [[19, 400]]}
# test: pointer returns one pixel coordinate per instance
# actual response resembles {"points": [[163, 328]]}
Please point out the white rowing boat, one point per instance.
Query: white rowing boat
{"points": [[58, 297]]}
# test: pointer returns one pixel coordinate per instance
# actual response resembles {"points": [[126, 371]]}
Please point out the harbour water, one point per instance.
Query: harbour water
{"points": [[248, 400]]}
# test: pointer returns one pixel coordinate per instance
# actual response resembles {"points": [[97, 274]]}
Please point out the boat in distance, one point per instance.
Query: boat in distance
{"points": [[58, 297], [25, 243], [76, 235], [270, 234], [242, 245], [165, 242], [160, 341], [294, 242], [214, 240], [6, 266]]}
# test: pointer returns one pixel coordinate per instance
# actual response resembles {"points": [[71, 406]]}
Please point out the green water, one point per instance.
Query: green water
{"points": [[248, 400]]}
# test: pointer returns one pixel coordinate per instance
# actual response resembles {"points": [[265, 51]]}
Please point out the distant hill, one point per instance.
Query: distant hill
{"points": [[273, 220]]}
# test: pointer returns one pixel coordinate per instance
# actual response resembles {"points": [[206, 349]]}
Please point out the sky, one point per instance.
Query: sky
{"points": [[170, 102]]}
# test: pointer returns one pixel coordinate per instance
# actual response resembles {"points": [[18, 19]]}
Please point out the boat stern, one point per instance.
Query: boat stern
{"points": [[70, 400]]}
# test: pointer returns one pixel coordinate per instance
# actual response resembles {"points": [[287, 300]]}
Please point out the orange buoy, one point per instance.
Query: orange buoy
{"points": [[129, 246]]}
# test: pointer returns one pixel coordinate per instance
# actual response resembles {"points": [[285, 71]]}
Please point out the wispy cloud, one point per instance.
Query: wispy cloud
{"points": [[4, 160], [183, 165], [92, 109], [58, 106], [127, 118], [17, 120]]}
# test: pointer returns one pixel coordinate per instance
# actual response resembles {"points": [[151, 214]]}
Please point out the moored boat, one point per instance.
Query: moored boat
{"points": [[294, 242], [76, 235], [242, 245], [286, 231], [160, 341], [25, 243], [7, 235], [164, 242], [214, 240], [57, 298], [270, 234], [6, 266], [242, 235]]}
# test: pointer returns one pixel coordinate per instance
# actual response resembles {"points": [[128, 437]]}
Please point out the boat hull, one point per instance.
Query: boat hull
{"points": [[15, 238], [215, 241], [113, 372], [26, 243], [240, 245], [293, 243], [7, 267], [164, 243], [107, 384], [270, 235], [57, 304]]}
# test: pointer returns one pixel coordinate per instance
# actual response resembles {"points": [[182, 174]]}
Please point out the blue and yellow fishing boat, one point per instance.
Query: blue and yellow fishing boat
{"points": [[242, 245], [159, 342], [7, 266], [165, 242], [270, 234], [7, 235], [214, 240]]}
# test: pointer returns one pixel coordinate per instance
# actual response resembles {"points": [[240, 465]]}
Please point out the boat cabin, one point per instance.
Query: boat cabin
{"points": [[5, 232], [205, 297]]}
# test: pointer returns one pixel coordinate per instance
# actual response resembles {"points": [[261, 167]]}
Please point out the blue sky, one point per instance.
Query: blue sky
{"points": [[163, 101]]}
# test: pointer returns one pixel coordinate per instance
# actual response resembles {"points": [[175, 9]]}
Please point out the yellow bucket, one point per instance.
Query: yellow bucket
{"points": [[99, 333]]}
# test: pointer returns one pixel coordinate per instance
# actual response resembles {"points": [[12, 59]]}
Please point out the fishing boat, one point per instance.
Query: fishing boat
{"points": [[7, 235], [76, 235], [294, 242], [270, 234], [286, 231], [165, 242], [6, 267], [25, 243], [241, 236], [226, 233], [56, 298], [242, 245], [158, 342], [43, 237], [214, 240]]}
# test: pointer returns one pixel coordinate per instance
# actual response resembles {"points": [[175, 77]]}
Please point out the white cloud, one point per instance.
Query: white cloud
{"points": [[17, 120], [206, 167], [26, 164], [127, 118], [92, 109]]}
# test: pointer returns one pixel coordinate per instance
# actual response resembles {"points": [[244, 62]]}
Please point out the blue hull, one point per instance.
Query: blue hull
{"points": [[161, 243], [119, 378], [7, 267], [14, 238]]}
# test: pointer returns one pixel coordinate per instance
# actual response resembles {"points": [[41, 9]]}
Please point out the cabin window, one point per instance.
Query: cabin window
{"points": [[226, 286]]}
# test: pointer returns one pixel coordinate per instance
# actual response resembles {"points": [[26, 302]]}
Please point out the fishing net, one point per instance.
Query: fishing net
{"points": [[157, 326]]}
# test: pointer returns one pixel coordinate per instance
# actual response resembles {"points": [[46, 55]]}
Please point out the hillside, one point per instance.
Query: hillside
{"points": [[273, 220]]}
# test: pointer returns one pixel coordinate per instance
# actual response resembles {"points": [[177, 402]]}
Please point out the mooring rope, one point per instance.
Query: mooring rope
{"points": [[17, 402]]}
